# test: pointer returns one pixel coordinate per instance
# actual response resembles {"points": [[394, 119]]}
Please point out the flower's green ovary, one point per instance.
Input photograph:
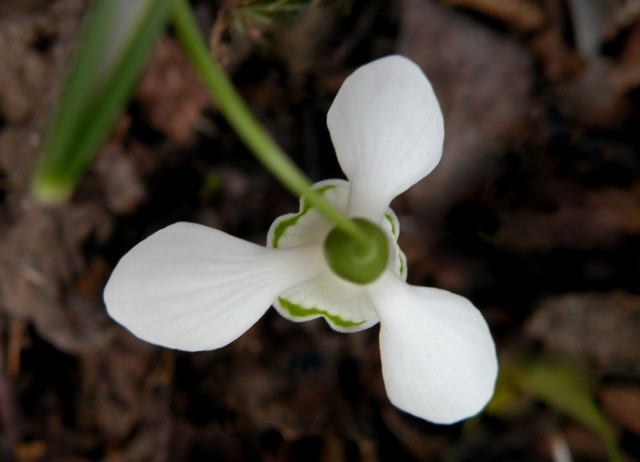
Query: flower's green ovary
{"points": [[281, 228], [298, 311]]}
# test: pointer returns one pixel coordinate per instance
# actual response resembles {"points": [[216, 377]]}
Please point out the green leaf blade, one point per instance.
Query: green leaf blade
{"points": [[118, 39]]}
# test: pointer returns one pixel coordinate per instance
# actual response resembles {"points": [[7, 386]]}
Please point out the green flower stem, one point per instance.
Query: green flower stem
{"points": [[239, 116]]}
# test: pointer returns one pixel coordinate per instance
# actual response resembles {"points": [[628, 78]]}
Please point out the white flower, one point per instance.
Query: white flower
{"points": [[193, 288]]}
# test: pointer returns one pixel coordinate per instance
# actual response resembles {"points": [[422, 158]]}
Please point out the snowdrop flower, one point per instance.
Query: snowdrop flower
{"points": [[193, 288]]}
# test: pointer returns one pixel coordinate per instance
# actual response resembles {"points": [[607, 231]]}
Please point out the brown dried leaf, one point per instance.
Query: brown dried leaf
{"points": [[557, 60], [602, 327], [22, 67], [522, 15], [579, 219], [39, 257], [171, 93], [597, 97], [468, 65], [622, 402], [124, 190], [30, 451]]}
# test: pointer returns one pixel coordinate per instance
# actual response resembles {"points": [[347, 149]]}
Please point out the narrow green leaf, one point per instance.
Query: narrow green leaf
{"points": [[117, 40], [564, 386]]}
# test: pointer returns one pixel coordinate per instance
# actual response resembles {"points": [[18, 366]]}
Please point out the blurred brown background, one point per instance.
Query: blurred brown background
{"points": [[534, 214]]}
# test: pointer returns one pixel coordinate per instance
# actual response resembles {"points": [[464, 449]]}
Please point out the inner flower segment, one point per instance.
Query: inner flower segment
{"points": [[341, 300], [354, 260]]}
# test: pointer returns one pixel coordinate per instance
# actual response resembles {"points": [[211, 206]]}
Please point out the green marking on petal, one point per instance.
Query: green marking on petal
{"points": [[395, 233], [282, 227], [392, 222], [298, 311]]}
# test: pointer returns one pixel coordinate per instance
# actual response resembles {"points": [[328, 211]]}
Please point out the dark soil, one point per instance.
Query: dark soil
{"points": [[533, 214]]}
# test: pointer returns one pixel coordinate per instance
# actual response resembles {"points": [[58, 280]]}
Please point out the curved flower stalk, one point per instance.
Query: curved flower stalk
{"points": [[192, 288]]}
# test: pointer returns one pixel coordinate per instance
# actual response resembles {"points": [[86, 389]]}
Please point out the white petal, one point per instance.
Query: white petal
{"points": [[387, 129], [438, 358], [192, 287], [344, 305]]}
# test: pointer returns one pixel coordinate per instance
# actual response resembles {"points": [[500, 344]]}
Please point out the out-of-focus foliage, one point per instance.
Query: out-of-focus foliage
{"points": [[250, 14], [118, 38], [562, 385], [264, 12]]}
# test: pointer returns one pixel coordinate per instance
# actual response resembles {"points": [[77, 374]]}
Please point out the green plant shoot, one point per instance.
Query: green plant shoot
{"points": [[117, 40]]}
